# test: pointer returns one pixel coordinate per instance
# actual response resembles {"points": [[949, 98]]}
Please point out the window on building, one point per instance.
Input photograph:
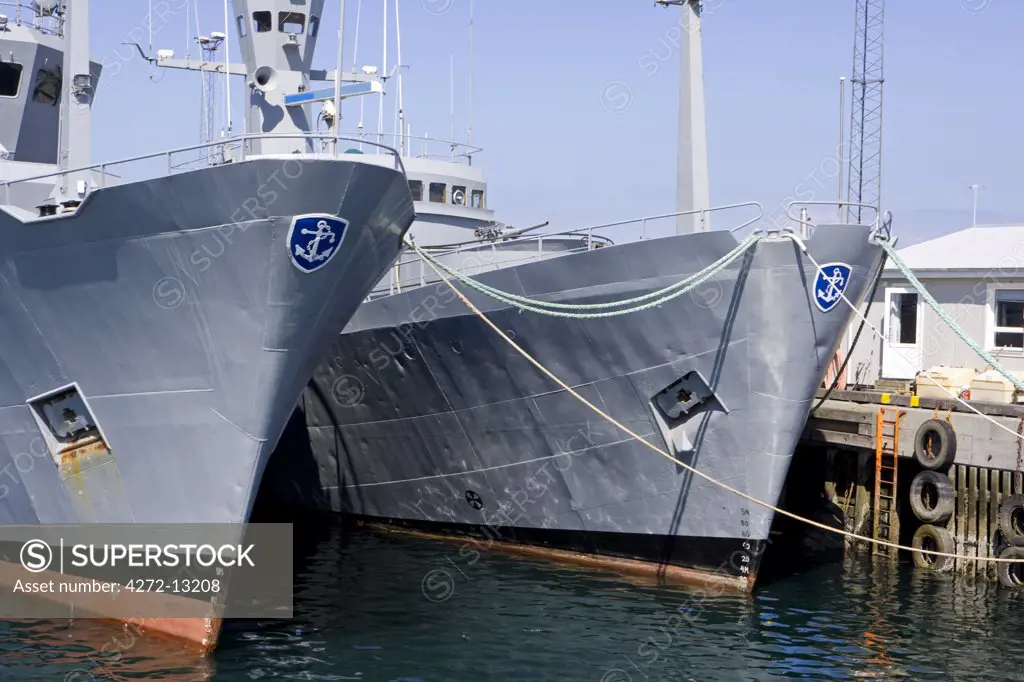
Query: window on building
{"points": [[314, 26], [903, 318], [291, 22], [262, 21], [477, 198], [47, 87], [416, 187], [243, 26], [10, 79], [458, 195], [437, 192], [1009, 332]]}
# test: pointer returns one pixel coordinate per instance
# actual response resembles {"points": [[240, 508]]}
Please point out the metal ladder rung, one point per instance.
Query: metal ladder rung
{"points": [[887, 429]]}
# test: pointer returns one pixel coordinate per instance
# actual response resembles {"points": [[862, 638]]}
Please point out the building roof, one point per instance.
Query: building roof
{"points": [[984, 247]]}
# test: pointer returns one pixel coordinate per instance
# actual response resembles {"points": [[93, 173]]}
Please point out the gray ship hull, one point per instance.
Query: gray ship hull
{"points": [[174, 309], [422, 416]]}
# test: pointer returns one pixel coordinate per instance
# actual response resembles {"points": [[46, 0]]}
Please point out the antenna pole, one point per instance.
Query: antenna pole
{"points": [[384, 73], [337, 74], [355, 46], [451, 98], [355, 67], [227, 69], [469, 131], [188, 31], [974, 219], [401, 110], [842, 141]]}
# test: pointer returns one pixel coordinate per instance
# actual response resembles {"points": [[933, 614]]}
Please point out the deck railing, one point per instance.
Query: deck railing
{"points": [[419, 147], [27, 15], [589, 239], [319, 146]]}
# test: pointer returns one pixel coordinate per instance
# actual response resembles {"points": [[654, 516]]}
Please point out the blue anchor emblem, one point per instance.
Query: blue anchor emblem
{"points": [[830, 285], [313, 240]]}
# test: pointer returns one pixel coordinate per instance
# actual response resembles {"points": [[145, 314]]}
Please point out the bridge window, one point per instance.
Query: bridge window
{"points": [[291, 22], [437, 192], [314, 26], [10, 79], [262, 20], [458, 195], [47, 89], [416, 187], [243, 26], [478, 198]]}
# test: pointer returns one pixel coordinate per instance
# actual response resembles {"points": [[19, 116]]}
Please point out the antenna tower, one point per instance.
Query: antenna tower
{"points": [[865, 184]]}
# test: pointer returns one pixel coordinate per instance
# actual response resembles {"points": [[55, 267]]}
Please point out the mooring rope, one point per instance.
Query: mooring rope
{"points": [[957, 329], [853, 344], [655, 448], [880, 335], [551, 308]]}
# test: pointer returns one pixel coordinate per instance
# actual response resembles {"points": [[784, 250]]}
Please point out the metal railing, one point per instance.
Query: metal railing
{"points": [[328, 148], [455, 150], [807, 226], [586, 235], [26, 15]]}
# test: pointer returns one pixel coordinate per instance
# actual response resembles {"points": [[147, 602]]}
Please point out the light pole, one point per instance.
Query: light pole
{"points": [[974, 216]]}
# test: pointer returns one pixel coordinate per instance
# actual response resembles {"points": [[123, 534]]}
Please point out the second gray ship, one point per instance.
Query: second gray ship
{"points": [[423, 417]]}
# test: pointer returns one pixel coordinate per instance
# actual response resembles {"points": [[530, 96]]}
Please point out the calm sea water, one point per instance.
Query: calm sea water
{"points": [[388, 607]]}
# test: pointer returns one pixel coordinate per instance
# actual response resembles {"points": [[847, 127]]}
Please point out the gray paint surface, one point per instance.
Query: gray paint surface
{"points": [[186, 327], [419, 402]]}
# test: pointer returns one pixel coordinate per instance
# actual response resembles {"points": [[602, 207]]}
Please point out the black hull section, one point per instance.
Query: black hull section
{"points": [[716, 557]]}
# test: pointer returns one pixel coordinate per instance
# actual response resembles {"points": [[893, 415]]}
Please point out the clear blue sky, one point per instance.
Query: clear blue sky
{"points": [[554, 151]]}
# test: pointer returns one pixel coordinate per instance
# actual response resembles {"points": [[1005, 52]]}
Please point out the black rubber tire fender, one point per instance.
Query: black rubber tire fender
{"points": [[935, 539], [926, 487], [1011, 519], [929, 455], [1011, 575]]}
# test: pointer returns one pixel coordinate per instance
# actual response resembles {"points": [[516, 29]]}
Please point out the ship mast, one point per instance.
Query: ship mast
{"points": [[75, 106], [692, 191]]}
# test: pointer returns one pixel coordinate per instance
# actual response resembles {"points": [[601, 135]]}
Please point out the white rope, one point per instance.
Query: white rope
{"points": [[545, 307], [856, 311], [957, 329]]}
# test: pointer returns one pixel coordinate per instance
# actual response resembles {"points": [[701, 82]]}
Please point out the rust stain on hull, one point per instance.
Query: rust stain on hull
{"points": [[200, 632], [630, 567]]}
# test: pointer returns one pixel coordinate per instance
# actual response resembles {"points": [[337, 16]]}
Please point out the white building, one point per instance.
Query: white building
{"points": [[977, 276]]}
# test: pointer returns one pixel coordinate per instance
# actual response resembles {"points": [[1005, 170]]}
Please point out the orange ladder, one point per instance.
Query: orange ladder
{"points": [[885, 523]]}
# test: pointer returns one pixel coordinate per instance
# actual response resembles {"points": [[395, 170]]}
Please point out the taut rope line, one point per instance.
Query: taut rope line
{"points": [[666, 455]]}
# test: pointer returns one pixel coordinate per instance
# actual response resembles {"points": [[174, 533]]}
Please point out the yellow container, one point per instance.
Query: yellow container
{"points": [[954, 380], [992, 387]]}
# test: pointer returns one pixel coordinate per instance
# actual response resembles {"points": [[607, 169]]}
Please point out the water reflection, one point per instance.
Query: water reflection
{"points": [[373, 606]]}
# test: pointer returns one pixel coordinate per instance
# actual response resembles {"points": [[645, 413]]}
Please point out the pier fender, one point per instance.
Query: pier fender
{"points": [[1011, 575], [935, 445], [1011, 519], [932, 497], [934, 539]]}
